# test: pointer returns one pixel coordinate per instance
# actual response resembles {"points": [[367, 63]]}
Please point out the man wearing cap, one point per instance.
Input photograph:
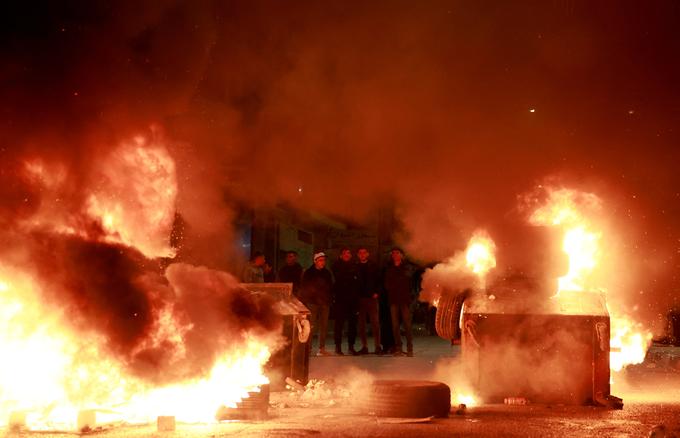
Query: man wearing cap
{"points": [[316, 294], [399, 284]]}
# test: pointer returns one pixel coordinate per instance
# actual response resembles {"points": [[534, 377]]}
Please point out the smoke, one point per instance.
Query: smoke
{"points": [[449, 109], [161, 326]]}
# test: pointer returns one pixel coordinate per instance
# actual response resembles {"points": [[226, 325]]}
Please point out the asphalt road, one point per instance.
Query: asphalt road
{"points": [[651, 393]]}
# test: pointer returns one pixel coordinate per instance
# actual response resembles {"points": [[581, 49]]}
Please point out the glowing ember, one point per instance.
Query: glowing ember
{"points": [[466, 399], [480, 255]]}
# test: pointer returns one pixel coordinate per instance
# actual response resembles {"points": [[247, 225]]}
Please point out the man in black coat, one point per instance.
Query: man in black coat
{"points": [[316, 294], [398, 283], [346, 306], [369, 291], [291, 272]]}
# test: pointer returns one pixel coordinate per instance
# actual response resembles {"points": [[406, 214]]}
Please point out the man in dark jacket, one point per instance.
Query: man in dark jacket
{"points": [[291, 272], [398, 283], [369, 291], [346, 306], [316, 294]]}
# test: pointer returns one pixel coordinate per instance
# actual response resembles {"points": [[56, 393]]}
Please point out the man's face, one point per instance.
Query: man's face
{"points": [[291, 258], [397, 256], [320, 263], [346, 255], [363, 255], [259, 261]]}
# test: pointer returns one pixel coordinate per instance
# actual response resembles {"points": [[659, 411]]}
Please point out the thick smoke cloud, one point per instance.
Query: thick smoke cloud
{"points": [[163, 326], [429, 104]]}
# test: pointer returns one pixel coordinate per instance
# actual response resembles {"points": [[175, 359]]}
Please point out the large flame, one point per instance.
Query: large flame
{"points": [[51, 373], [134, 197], [629, 343], [568, 209], [582, 242], [48, 371], [480, 255]]}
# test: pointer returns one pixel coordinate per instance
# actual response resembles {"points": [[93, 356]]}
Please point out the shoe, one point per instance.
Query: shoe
{"points": [[323, 352], [363, 351], [353, 352], [398, 353], [338, 351], [409, 353], [379, 351]]}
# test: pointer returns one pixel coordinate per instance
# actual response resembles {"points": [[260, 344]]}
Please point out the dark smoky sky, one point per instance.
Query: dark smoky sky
{"points": [[451, 108]]}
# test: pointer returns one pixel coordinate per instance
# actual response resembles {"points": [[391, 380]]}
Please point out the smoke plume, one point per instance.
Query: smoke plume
{"points": [[449, 109]]}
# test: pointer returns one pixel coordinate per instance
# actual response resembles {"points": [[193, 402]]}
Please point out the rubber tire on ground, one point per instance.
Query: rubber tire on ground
{"points": [[408, 399]]}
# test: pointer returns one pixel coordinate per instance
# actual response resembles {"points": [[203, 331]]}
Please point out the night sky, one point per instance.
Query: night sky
{"points": [[452, 109]]}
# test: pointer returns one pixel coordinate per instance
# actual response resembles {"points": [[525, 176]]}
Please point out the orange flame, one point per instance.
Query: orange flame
{"points": [[629, 343], [466, 399], [50, 373], [570, 210], [134, 198], [565, 208], [480, 255]]}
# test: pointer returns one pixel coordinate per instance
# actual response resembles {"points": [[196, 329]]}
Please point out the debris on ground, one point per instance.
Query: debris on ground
{"points": [[403, 420], [317, 393]]}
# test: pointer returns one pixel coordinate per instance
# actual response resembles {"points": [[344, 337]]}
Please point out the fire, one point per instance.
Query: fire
{"points": [[465, 399], [567, 209], [629, 343], [50, 373], [231, 378], [582, 242], [480, 255], [134, 197]]}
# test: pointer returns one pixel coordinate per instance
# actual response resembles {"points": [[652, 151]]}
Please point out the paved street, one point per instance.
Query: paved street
{"points": [[329, 408]]}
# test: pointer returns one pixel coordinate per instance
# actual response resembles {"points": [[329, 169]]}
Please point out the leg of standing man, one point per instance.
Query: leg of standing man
{"points": [[395, 313], [375, 323], [387, 336], [340, 315], [352, 330], [314, 321], [363, 314], [406, 318], [323, 328]]}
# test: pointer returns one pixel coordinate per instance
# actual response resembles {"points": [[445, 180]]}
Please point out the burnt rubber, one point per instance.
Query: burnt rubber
{"points": [[408, 399]]}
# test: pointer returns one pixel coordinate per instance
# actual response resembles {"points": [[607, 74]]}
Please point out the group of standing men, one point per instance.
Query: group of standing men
{"points": [[353, 292]]}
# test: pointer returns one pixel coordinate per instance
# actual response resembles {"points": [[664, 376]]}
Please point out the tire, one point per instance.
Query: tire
{"points": [[448, 315], [408, 399]]}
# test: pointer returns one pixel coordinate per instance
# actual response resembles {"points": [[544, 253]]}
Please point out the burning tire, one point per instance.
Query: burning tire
{"points": [[408, 399]]}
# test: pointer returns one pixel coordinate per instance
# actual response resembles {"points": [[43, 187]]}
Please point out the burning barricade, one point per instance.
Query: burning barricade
{"points": [[538, 330]]}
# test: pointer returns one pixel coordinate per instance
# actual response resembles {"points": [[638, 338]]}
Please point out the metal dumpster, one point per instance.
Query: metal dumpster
{"points": [[292, 360], [552, 350]]}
